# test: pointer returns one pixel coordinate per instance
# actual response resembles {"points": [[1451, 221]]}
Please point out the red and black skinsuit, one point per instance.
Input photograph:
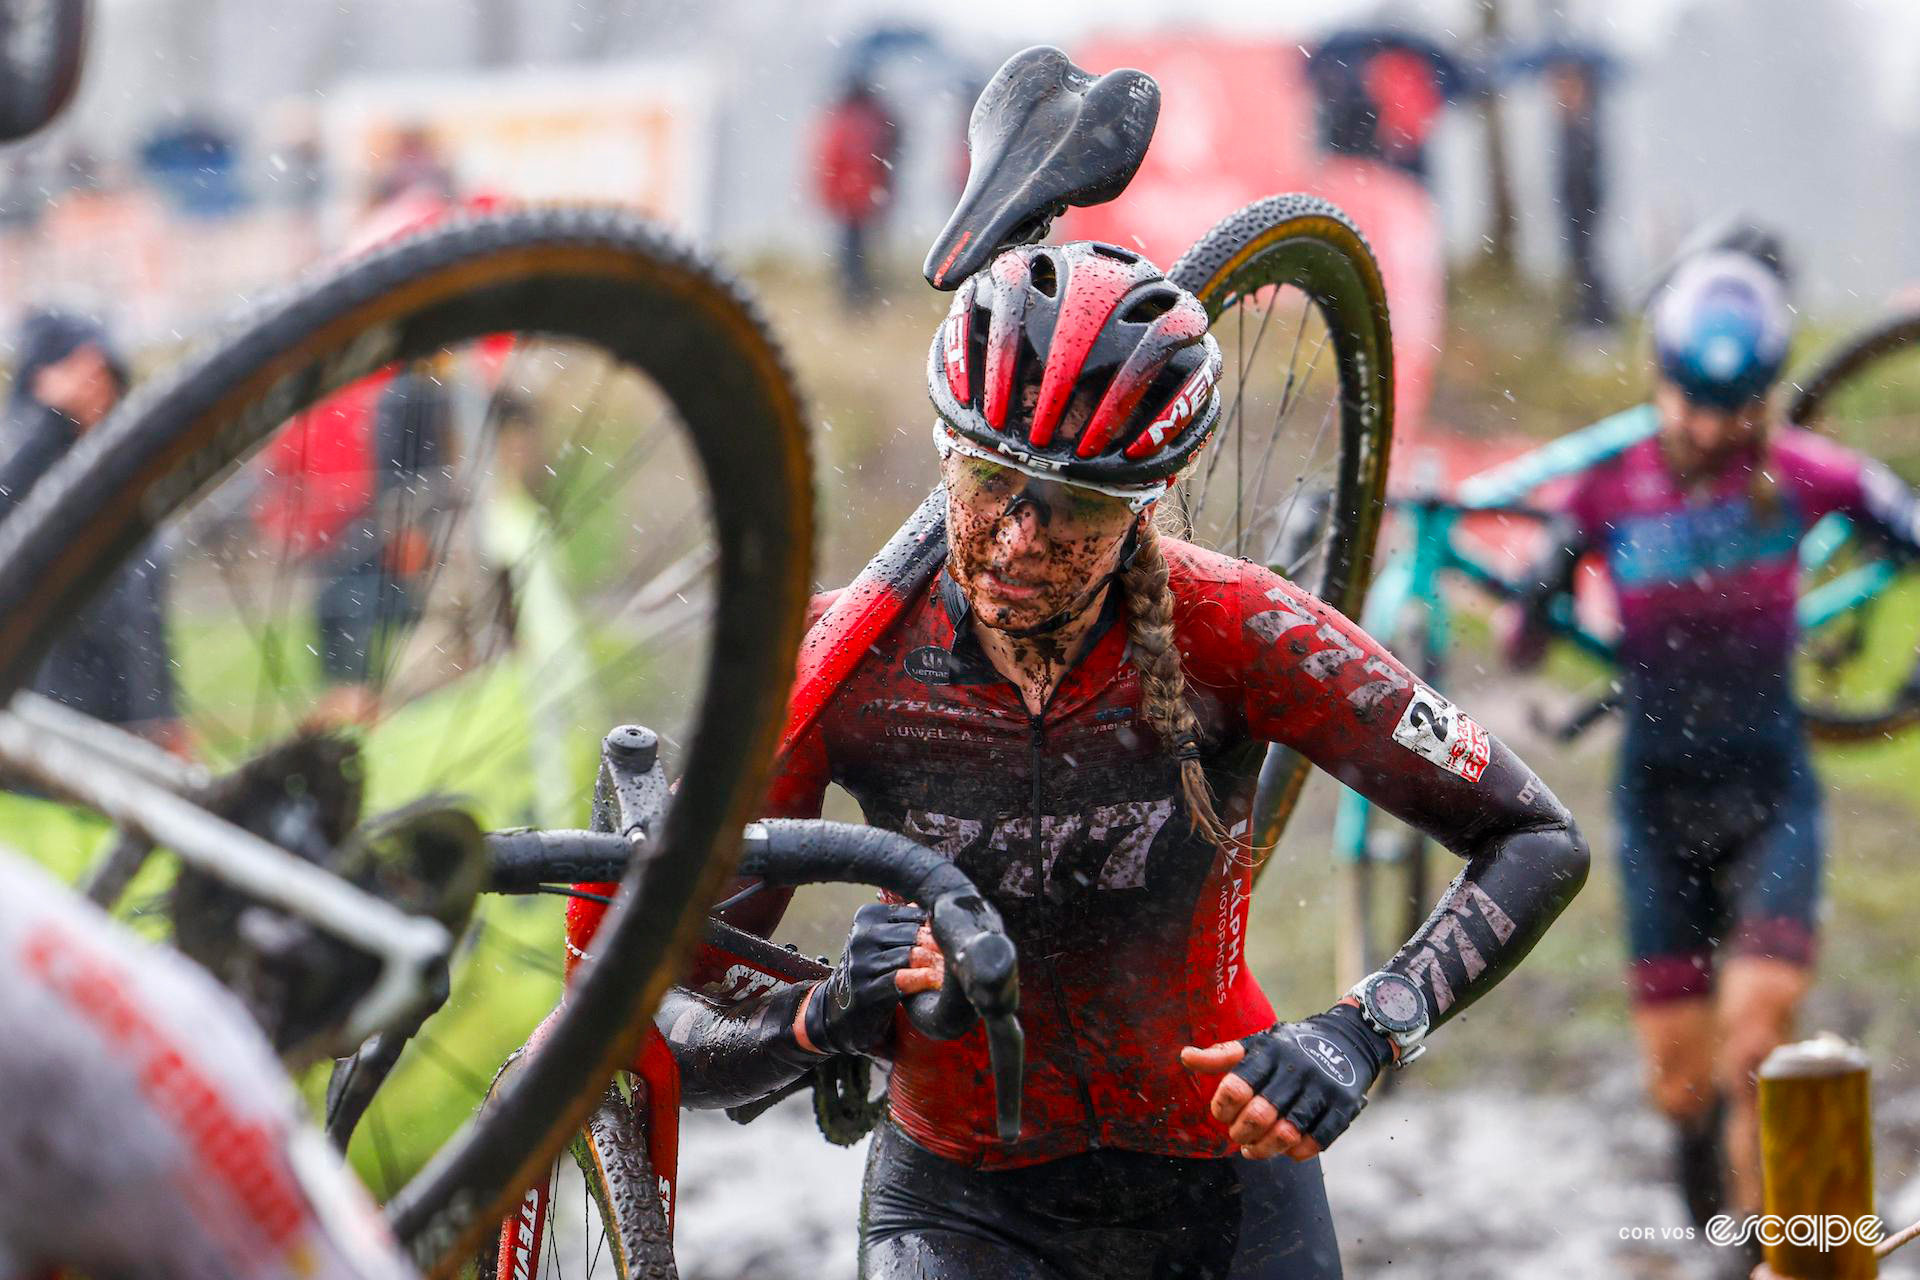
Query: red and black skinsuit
{"points": [[1130, 925]]}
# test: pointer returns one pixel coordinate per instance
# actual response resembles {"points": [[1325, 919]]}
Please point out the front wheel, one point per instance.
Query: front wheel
{"points": [[610, 404], [1296, 478], [599, 1214]]}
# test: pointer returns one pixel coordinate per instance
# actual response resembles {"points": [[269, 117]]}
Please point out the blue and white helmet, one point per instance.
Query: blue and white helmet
{"points": [[1721, 327]]}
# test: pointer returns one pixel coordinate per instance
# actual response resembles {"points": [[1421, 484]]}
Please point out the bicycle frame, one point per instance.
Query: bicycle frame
{"points": [[143, 789]]}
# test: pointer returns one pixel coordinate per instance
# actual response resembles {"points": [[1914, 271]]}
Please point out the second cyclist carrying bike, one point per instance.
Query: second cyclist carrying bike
{"points": [[1698, 528]]}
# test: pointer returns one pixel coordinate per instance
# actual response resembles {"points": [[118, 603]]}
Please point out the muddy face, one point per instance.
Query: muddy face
{"points": [[1024, 551]]}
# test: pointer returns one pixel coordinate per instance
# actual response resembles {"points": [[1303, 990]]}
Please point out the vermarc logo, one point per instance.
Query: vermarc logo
{"points": [[1330, 1058]]}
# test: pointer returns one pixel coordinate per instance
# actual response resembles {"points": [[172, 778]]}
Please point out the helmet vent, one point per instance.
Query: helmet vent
{"points": [[1150, 307], [1044, 275], [1115, 252]]}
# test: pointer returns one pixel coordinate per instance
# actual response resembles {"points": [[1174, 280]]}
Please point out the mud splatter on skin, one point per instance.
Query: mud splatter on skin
{"points": [[1068, 560]]}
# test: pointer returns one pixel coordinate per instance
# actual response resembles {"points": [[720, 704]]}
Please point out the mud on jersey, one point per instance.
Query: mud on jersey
{"points": [[1130, 926]]}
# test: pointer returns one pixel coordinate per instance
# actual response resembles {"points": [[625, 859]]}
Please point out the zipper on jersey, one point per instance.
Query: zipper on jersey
{"points": [[1037, 741]]}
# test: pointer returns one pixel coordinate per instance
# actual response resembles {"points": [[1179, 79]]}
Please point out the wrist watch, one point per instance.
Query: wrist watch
{"points": [[1391, 1004]]}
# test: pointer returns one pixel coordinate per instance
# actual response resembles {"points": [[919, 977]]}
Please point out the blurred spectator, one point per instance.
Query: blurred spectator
{"points": [[114, 662], [416, 165], [384, 556], [1381, 91], [192, 162], [317, 476], [1582, 186], [1575, 74], [854, 151], [358, 487]]}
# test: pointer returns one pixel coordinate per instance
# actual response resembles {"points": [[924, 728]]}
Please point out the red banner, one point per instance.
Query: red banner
{"points": [[1237, 124]]}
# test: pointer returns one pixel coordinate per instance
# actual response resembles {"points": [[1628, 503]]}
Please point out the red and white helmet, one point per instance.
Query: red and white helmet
{"points": [[1077, 362]]}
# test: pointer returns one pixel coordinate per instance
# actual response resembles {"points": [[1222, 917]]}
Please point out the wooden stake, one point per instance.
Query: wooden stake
{"points": [[1816, 1153]]}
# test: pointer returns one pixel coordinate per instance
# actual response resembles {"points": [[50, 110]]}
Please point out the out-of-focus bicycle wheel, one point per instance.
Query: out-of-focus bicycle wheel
{"points": [[425, 528], [42, 44], [1858, 674]]}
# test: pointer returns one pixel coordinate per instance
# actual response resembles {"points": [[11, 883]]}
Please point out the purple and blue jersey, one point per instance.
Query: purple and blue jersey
{"points": [[1707, 577], [1718, 808]]}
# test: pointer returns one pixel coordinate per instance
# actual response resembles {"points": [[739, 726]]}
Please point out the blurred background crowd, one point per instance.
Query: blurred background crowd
{"points": [[219, 145]]}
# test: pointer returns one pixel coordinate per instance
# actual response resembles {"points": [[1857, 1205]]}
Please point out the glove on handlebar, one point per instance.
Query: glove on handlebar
{"points": [[852, 1008], [1316, 1072]]}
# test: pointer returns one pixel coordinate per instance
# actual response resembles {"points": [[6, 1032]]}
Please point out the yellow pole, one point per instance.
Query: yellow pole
{"points": [[1816, 1157]]}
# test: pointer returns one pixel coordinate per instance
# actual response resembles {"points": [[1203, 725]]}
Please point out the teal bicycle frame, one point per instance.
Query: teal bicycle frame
{"points": [[1412, 578]]}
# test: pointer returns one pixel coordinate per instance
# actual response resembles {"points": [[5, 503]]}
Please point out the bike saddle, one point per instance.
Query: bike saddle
{"points": [[1043, 135]]}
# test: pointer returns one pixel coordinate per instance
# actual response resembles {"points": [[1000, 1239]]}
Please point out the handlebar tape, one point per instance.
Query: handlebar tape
{"points": [[522, 861], [804, 851]]}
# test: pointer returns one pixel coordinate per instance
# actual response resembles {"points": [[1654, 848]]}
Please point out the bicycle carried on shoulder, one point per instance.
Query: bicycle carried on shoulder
{"points": [[1289, 269]]}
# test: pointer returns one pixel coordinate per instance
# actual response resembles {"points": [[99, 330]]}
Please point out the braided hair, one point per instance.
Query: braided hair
{"points": [[1149, 602]]}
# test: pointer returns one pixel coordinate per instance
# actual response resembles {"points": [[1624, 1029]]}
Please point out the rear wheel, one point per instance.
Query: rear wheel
{"points": [[1858, 672], [549, 537], [1295, 479]]}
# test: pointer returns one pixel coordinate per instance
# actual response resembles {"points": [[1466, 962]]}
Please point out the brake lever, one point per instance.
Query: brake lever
{"points": [[982, 982], [1006, 1052]]}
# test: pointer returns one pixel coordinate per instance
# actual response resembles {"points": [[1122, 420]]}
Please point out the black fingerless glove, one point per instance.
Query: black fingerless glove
{"points": [[852, 1008], [1316, 1072]]}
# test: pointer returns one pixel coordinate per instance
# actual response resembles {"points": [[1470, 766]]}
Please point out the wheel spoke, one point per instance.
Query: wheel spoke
{"points": [[1313, 451], [1253, 509], [553, 1200], [1256, 254], [272, 665]]}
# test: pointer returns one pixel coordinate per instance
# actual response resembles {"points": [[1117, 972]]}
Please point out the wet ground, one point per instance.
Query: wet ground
{"points": [[1461, 1184]]}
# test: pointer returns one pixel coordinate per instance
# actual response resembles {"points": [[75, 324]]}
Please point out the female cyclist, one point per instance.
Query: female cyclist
{"points": [[1068, 712], [1720, 847]]}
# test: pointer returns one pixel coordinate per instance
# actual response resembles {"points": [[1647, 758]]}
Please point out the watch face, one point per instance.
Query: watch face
{"points": [[1396, 1002]]}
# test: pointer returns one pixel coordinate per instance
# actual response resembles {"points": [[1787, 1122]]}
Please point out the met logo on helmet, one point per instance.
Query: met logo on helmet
{"points": [[1185, 405], [954, 351]]}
